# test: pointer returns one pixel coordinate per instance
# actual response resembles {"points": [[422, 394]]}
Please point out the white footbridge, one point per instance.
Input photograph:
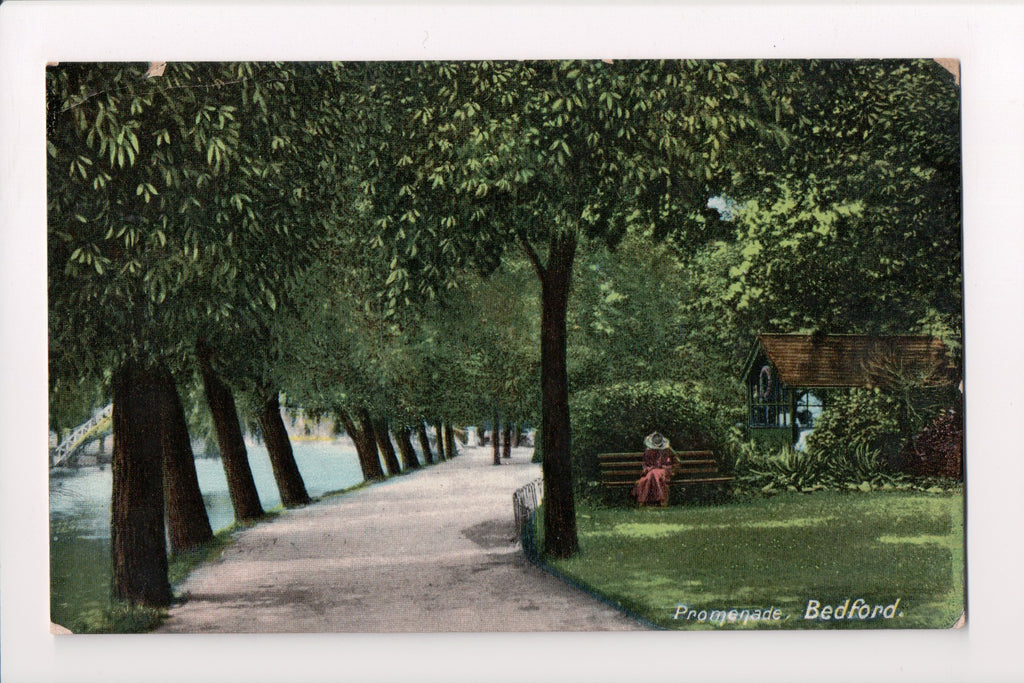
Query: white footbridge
{"points": [[80, 436]]}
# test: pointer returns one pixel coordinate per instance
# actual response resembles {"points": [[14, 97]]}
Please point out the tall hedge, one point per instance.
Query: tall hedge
{"points": [[616, 418]]}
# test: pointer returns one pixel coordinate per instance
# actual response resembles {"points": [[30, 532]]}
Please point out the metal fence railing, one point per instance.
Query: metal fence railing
{"points": [[524, 506]]}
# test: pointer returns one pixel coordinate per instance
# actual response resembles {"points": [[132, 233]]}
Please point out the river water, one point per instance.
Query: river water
{"points": [[80, 515]]}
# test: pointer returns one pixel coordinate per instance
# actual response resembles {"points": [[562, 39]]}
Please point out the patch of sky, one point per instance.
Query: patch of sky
{"points": [[726, 207]]}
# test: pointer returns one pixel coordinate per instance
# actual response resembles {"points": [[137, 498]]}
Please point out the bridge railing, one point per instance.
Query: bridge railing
{"points": [[525, 501], [67, 448]]}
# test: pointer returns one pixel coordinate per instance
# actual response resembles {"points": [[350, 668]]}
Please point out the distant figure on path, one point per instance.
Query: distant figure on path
{"points": [[652, 488]]}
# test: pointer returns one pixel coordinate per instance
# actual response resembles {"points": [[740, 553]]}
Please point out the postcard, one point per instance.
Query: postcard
{"points": [[562, 259], [507, 344]]}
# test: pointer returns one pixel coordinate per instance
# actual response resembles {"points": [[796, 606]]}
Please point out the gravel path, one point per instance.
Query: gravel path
{"points": [[424, 552]]}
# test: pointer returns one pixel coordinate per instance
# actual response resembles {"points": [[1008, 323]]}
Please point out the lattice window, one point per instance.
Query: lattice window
{"points": [[769, 399], [808, 408]]}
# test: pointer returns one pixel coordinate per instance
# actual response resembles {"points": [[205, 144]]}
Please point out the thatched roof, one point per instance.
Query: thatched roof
{"points": [[851, 360]]}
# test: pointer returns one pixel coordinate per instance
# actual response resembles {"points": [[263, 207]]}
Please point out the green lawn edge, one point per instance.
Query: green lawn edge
{"points": [[918, 558]]}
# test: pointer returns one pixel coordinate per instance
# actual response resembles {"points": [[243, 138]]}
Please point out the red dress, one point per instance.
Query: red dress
{"points": [[652, 489]]}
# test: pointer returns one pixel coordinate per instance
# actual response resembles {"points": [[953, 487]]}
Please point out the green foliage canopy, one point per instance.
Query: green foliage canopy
{"points": [[181, 204], [860, 231]]}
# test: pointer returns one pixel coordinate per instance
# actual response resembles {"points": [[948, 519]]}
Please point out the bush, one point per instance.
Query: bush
{"points": [[762, 472], [876, 420], [858, 419], [616, 418], [808, 471], [937, 450]]}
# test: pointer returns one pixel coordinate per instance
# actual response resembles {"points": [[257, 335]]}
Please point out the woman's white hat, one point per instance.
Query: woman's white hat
{"points": [[656, 441]]}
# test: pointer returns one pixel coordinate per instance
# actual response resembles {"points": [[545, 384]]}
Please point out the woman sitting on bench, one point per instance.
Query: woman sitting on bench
{"points": [[652, 488]]}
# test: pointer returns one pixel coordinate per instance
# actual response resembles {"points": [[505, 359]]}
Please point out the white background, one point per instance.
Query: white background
{"points": [[988, 38]]}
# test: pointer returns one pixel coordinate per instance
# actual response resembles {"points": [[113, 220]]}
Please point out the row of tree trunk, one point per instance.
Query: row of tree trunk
{"points": [[373, 441], [502, 447], [156, 498]]}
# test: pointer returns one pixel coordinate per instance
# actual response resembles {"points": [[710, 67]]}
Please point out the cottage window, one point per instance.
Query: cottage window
{"points": [[808, 408], [769, 399]]}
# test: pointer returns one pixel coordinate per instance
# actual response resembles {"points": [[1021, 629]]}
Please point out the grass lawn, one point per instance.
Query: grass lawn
{"points": [[780, 553]]}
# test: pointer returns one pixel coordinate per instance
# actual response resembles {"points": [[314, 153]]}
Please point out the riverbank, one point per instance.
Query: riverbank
{"points": [[428, 551], [79, 511]]}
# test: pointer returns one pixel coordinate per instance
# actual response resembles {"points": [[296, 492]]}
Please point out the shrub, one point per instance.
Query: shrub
{"points": [[863, 466], [937, 450], [858, 419], [878, 420], [616, 418], [810, 470]]}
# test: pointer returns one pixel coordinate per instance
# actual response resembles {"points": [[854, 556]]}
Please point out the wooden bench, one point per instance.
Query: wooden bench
{"points": [[691, 468]]}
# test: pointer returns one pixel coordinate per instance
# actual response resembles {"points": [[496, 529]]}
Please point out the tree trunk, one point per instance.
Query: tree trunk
{"points": [[188, 525], [449, 440], [517, 435], [366, 448], [233, 456], [365, 424], [138, 544], [560, 537], [439, 435], [282, 459], [495, 445], [387, 449], [421, 430], [404, 439], [506, 445]]}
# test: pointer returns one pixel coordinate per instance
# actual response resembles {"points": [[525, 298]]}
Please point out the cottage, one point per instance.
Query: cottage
{"points": [[787, 376]]}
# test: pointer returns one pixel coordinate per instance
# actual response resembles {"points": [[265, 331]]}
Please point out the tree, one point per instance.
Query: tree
{"points": [[153, 183], [335, 354], [294, 193], [450, 449], [860, 231], [539, 155], [421, 432], [405, 447], [495, 443], [625, 320], [366, 446], [506, 441], [387, 449], [282, 460], [241, 485], [443, 447], [107, 225], [480, 336], [188, 525], [137, 507]]}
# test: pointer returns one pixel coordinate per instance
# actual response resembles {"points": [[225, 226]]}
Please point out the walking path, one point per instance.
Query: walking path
{"points": [[428, 551]]}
